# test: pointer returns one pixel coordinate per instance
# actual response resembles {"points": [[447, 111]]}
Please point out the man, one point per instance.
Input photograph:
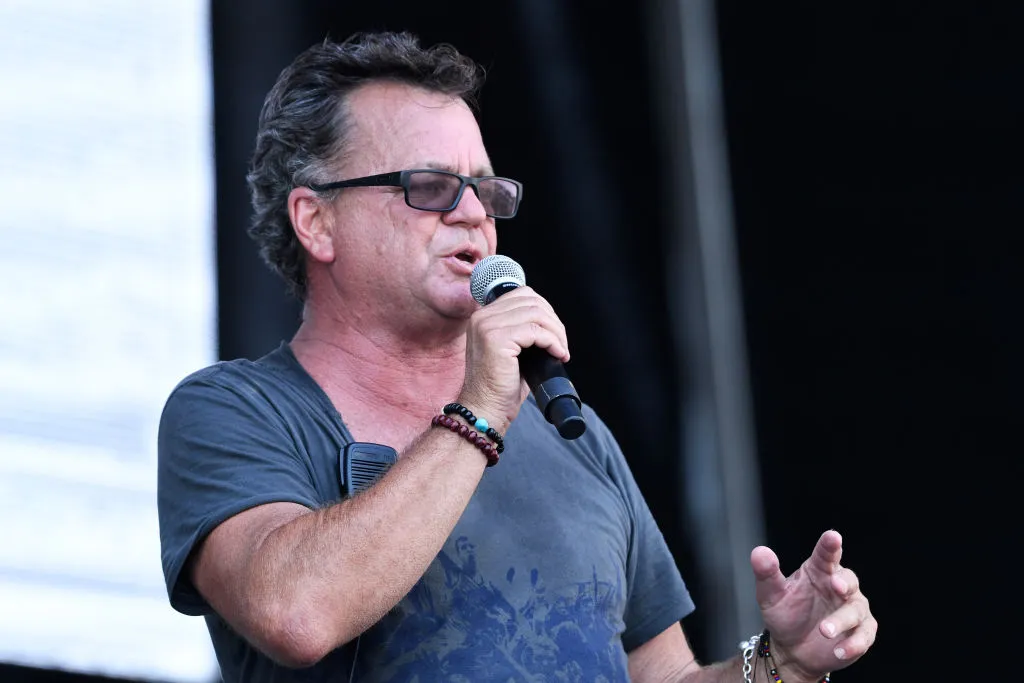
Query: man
{"points": [[374, 198]]}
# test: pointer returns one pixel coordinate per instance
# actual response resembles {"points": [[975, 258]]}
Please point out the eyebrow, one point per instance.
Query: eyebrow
{"points": [[440, 166]]}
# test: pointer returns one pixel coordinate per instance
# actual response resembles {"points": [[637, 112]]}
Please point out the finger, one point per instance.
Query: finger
{"points": [[827, 552], [516, 296], [858, 642], [515, 336], [515, 300], [845, 583], [846, 617], [538, 336], [546, 316], [528, 324], [769, 583]]}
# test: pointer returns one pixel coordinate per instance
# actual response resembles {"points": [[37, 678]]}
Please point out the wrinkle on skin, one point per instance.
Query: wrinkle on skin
{"points": [[397, 127]]}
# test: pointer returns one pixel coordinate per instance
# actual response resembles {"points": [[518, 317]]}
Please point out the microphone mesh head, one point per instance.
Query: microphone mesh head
{"points": [[491, 271]]}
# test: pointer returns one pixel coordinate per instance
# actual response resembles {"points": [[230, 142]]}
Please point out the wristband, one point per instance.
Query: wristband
{"points": [[469, 435]]}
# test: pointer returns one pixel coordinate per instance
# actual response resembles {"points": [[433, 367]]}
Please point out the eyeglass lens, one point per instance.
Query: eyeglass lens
{"points": [[438, 191]]}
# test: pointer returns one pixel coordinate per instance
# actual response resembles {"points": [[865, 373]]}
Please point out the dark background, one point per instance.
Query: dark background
{"points": [[877, 192]]}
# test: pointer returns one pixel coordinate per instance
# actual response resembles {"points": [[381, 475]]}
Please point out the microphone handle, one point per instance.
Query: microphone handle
{"points": [[554, 392]]}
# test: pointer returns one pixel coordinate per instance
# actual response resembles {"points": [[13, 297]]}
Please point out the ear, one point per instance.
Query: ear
{"points": [[312, 222]]}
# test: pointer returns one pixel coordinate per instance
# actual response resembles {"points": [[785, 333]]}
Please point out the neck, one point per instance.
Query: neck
{"points": [[357, 360]]}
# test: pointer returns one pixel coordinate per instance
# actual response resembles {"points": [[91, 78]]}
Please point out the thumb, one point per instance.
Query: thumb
{"points": [[769, 583]]}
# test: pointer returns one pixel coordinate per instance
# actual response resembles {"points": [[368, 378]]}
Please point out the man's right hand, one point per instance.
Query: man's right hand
{"points": [[497, 333]]}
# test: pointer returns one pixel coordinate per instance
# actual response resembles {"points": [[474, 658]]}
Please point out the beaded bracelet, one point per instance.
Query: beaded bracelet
{"points": [[478, 422], [761, 644], [469, 435]]}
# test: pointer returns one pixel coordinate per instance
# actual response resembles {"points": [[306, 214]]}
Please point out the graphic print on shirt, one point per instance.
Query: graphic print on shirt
{"points": [[466, 627]]}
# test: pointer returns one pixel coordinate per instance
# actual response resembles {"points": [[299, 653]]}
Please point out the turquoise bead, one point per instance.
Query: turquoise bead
{"points": [[481, 425]]}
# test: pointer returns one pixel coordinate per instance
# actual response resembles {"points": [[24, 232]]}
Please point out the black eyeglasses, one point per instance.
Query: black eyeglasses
{"points": [[430, 190]]}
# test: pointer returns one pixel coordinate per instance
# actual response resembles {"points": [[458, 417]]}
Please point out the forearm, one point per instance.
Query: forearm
{"points": [[330, 574]]}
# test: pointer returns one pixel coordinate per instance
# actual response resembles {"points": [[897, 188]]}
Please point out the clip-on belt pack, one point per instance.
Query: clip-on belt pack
{"points": [[362, 464]]}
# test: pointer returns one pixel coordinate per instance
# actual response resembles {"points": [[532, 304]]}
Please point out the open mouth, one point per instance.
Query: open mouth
{"points": [[466, 257]]}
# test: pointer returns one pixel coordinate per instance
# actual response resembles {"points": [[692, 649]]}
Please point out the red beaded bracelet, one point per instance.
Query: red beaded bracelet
{"points": [[469, 434]]}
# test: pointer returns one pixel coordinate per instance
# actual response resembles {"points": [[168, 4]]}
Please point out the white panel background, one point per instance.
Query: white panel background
{"points": [[107, 299]]}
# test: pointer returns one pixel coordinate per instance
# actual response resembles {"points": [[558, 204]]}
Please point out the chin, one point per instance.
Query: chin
{"points": [[460, 306], [463, 309]]}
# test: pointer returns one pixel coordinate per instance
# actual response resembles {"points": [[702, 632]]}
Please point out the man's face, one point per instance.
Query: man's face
{"points": [[404, 261]]}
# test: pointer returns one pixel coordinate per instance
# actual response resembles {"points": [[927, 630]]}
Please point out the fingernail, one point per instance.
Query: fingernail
{"points": [[841, 585], [830, 628], [840, 653]]}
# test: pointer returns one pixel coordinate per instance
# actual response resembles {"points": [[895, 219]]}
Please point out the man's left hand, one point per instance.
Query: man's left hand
{"points": [[818, 617]]}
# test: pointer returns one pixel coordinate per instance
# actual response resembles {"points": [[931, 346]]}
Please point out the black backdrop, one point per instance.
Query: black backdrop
{"points": [[877, 186]]}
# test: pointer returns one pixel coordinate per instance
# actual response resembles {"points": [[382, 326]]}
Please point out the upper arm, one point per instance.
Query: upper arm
{"points": [[224, 564], [665, 657], [222, 456]]}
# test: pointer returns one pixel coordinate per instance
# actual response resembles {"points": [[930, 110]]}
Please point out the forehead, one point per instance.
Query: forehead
{"points": [[398, 126]]}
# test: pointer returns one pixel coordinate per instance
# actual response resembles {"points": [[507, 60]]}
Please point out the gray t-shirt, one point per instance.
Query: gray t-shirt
{"points": [[554, 572]]}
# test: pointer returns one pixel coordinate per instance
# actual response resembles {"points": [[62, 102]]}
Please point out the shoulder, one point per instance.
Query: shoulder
{"points": [[239, 371], [250, 381]]}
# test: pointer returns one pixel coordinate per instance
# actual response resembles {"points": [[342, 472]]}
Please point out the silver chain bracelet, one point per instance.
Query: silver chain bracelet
{"points": [[748, 647], [754, 644]]}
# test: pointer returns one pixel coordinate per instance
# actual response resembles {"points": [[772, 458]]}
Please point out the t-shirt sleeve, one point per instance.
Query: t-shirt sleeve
{"points": [[221, 449], [657, 595]]}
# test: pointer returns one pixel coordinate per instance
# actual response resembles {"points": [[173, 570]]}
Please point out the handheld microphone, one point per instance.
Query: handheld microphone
{"points": [[546, 376]]}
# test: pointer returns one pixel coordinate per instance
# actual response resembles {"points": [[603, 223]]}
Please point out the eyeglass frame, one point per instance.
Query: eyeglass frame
{"points": [[401, 179]]}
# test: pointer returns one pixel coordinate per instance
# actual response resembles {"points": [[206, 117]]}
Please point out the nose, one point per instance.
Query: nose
{"points": [[470, 210]]}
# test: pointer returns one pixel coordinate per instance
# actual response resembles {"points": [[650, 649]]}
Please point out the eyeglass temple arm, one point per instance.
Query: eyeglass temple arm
{"points": [[382, 179]]}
